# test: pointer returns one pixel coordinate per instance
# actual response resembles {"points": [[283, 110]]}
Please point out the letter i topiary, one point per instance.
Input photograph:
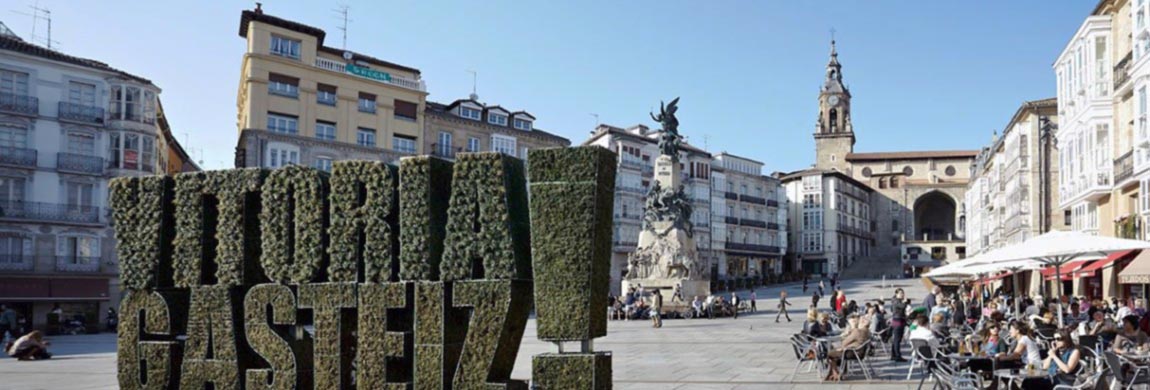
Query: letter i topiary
{"points": [[425, 186]]}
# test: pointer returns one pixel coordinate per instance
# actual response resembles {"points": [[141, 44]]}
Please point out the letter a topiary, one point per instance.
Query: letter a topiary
{"points": [[488, 235], [363, 208], [214, 350], [572, 196]]}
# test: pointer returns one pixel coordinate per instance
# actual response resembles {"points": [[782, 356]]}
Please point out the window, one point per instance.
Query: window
{"points": [[443, 147], [365, 136], [473, 145], [403, 144], [950, 171], [81, 143], [287, 124], [11, 189], [13, 136], [126, 103], [894, 182], [406, 110], [469, 113], [325, 130], [497, 119], [132, 151], [908, 171], [503, 144], [14, 83], [286, 86], [281, 156], [325, 94], [15, 249], [366, 102], [285, 47], [523, 124], [1066, 217], [78, 249], [79, 196], [323, 164], [82, 94]]}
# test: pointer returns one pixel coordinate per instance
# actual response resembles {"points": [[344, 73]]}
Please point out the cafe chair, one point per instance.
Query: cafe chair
{"points": [[921, 355], [1138, 375], [966, 380], [859, 356], [1089, 382], [806, 351], [877, 339]]}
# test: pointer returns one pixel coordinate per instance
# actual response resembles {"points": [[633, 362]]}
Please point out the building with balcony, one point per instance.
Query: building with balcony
{"points": [[748, 219], [301, 102], [67, 126], [466, 125], [831, 220], [1086, 130], [637, 147]]}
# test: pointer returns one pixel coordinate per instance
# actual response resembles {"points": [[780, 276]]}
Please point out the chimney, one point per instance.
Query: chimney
{"points": [[259, 10]]}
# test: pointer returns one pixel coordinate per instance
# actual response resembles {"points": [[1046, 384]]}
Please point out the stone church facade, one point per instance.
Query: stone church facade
{"points": [[915, 217]]}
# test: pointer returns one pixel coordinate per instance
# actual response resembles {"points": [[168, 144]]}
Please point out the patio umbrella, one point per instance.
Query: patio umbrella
{"points": [[1057, 248]]}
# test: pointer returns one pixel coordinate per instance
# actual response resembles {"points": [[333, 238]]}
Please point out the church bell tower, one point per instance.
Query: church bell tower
{"points": [[834, 134]]}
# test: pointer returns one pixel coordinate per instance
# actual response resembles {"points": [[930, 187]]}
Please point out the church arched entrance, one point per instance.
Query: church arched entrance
{"points": [[934, 217]]}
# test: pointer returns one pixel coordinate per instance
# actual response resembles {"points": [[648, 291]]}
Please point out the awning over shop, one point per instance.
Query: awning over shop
{"points": [[1090, 270], [63, 289], [923, 263], [989, 279], [1138, 272], [1067, 270]]}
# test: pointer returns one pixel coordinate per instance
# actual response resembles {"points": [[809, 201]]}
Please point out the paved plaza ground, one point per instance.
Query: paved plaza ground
{"points": [[751, 352]]}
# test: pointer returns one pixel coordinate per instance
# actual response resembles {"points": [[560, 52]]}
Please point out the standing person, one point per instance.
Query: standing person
{"points": [[8, 323], [840, 301], [628, 305], [804, 284], [710, 304], [897, 324], [734, 305], [783, 306], [678, 294], [815, 299], [754, 297], [931, 300], [656, 306], [822, 287]]}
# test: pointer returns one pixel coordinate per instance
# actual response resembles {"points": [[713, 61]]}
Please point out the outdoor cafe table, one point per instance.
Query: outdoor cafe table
{"points": [[1011, 376]]}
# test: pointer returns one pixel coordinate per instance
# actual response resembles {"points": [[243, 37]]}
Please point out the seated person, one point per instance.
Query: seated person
{"points": [[1130, 337], [1062, 359], [855, 336], [922, 332], [939, 327], [825, 324], [992, 343], [30, 347], [698, 306], [812, 327], [1026, 350]]}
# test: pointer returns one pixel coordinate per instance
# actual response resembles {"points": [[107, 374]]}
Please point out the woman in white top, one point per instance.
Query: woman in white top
{"points": [[1025, 348]]}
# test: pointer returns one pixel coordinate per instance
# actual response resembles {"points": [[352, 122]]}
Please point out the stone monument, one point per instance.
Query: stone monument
{"points": [[667, 255]]}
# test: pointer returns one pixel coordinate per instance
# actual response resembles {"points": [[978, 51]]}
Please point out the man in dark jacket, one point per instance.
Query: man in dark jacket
{"points": [[897, 324], [929, 302]]}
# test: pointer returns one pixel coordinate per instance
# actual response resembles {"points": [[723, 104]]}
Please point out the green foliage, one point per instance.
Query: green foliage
{"points": [[212, 352], [294, 224], [499, 311], [210, 206], [363, 204], [572, 196], [376, 345], [159, 359], [425, 185], [143, 225], [332, 336], [572, 371], [266, 341], [439, 335], [488, 193]]}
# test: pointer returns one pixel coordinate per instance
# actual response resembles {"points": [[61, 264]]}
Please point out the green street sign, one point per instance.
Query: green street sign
{"points": [[369, 73]]}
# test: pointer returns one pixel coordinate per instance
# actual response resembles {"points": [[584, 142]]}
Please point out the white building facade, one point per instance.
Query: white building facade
{"points": [[67, 125], [749, 223], [828, 211]]}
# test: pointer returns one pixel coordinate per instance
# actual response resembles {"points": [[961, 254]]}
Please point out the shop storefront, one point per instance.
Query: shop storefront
{"points": [[1090, 278], [34, 298], [1135, 277]]}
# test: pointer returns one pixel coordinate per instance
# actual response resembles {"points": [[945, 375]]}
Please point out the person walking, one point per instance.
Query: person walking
{"points": [[783, 306], [656, 306], [8, 324], [815, 300], [897, 324], [822, 287], [805, 285], [754, 297], [734, 305]]}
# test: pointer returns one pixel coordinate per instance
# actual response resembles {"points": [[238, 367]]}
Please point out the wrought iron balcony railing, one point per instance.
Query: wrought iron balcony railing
{"points": [[752, 223], [54, 212], [80, 113], [752, 199], [1124, 167], [10, 262], [1122, 71], [77, 264], [80, 163], [731, 195], [772, 203], [445, 151], [19, 104], [21, 157], [738, 246], [731, 220]]}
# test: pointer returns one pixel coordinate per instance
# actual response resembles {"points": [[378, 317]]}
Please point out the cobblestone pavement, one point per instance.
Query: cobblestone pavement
{"points": [[751, 352]]}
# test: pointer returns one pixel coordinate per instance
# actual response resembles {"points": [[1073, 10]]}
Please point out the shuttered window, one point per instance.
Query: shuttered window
{"points": [[405, 110]]}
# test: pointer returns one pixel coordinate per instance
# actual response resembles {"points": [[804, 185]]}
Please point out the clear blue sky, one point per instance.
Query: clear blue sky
{"points": [[925, 75]]}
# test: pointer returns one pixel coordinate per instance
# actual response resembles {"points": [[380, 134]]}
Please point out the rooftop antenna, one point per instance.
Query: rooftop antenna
{"points": [[596, 118], [342, 12], [706, 141], [38, 13], [474, 83]]}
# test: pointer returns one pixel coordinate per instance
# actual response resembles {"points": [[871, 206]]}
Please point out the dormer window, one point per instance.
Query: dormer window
{"points": [[469, 113], [497, 119], [523, 124], [285, 47]]}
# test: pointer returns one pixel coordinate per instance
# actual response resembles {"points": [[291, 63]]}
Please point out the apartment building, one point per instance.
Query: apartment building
{"points": [[67, 126], [748, 218], [637, 147], [831, 218], [466, 125], [302, 102]]}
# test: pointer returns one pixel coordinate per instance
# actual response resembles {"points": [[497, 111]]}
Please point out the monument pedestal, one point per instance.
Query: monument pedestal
{"points": [[690, 288]]}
